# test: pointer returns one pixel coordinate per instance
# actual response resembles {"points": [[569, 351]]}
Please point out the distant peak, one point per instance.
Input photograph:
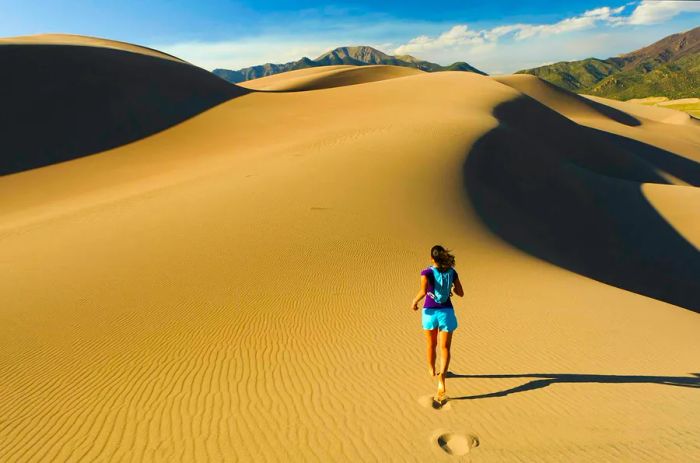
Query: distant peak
{"points": [[408, 58], [363, 53]]}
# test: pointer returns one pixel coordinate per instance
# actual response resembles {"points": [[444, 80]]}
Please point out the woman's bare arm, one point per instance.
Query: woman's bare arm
{"points": [[421, 294], [458, 287]]}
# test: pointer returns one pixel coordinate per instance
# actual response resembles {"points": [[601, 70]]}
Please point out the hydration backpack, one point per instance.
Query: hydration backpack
{"points": [[442, 285]]}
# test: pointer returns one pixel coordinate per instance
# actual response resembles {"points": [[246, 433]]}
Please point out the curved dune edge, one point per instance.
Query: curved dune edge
{"points": [[197, 299], [95, 98], [328, 77], [87, 41], [575, 200], [654, 113], [563, 101], [624, 124], [679, 205], [284, 76]]}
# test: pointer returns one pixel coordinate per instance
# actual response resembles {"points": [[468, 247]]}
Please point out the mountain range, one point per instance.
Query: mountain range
{"points": [[669, 67], [358, 56]]}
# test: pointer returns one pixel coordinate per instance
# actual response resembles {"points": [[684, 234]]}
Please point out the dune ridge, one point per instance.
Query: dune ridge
{"points": [[597, 220], [85, 41], [72, 100], [194, 296], [327, 77]]}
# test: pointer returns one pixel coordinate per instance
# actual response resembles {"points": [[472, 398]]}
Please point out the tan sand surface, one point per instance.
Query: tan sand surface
{"points": [[680, 101], [663, 101], [650, 100], [653, 113], [237, 288], [679, 206], [327, 77]]}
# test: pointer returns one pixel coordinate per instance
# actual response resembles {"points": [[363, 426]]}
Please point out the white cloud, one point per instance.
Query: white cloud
{"points": [[461, 36], [587, 20], [653, 12], [461, 40]]}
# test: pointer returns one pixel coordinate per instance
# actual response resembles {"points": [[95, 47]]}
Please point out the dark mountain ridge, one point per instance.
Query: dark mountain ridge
{"points": [[357, 56]]}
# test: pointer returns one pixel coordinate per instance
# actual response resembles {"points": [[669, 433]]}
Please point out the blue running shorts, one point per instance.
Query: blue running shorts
{"points": [[439, 318]]}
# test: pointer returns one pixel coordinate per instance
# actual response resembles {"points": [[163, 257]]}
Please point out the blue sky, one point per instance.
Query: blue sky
{"points": [[497, 36]]}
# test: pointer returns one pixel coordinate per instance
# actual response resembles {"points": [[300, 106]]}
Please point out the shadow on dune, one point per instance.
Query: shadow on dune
{"points": [[607, 111], [573, 197], [543, 380], [678, 166], [65, 101], [552, 95]]}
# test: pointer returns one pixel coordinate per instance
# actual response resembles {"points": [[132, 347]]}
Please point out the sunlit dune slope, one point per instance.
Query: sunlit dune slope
{"points": [[328, 77], [71, 100], [237, 287]]}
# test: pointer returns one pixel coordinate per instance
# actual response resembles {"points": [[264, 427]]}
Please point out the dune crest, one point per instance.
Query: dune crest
{"points": [[86, 41], [328, 77], [576, 200], [70, 101], [565, 102]]}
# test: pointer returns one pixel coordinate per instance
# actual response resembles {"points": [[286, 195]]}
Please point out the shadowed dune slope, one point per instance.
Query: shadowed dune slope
{"points": [[563, 101], [87, 41], [68, 101], [576, 200], [654, 113], [237, 286], [328, 77]]}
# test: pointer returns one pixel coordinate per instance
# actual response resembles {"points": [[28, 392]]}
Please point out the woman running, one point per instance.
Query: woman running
{"points": [[438, 312]]}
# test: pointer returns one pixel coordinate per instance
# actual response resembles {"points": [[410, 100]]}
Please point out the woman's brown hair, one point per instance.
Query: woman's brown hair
{"points": [[442, 257]]}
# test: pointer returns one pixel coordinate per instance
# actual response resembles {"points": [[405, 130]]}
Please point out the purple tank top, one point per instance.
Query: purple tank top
{"points": [[429, 301]]}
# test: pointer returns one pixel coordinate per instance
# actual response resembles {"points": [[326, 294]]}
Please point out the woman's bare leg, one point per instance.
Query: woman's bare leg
{"points": [[431, 338], [445, 343]]}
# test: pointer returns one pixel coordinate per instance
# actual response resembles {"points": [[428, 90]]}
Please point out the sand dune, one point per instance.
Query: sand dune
{"points": [[237, 287], [654, 113], [596, 220], [327, 77], [564, 102], [82, 40], [71, 98]]}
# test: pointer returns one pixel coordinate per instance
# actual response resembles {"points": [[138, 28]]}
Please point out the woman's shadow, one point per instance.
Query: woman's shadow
{"points": [[542, 380]]}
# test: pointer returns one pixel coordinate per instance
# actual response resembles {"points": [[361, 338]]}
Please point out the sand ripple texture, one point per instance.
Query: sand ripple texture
{"points": [[237, 288]]}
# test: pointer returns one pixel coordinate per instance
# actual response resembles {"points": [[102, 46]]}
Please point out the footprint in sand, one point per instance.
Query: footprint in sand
{"points": [[456, 444], [428, 401]]}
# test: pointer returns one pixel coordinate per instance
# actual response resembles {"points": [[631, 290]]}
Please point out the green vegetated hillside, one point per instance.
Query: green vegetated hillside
{"points": [[679, 79], [669, 67]]}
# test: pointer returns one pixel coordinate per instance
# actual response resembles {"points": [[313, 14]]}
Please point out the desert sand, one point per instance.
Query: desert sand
{"points": [[327, 77], [237, 286], [688, 105]]}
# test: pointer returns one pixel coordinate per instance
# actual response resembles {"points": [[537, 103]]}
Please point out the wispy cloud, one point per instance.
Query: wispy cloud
{"points": [[461, 36], [654, 12]]}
